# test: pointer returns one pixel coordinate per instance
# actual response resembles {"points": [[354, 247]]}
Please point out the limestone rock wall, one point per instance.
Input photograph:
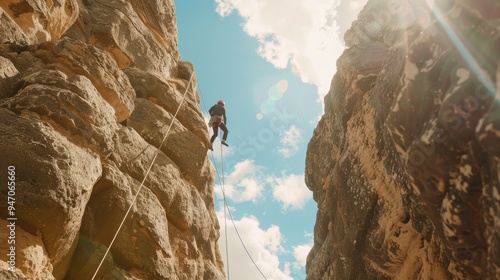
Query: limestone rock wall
{"points": [[88, 89], [404, 164]]}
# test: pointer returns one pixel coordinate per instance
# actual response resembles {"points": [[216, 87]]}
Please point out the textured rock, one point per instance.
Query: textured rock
{"points": [[9, 76], [88, 90], [139, 34], [71, 104], [32, 256], [47, 161], [404, 162], [37, 21], [73, 57]]}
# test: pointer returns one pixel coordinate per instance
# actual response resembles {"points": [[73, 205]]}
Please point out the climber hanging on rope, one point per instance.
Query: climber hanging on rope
{"points": [[217, 112]]}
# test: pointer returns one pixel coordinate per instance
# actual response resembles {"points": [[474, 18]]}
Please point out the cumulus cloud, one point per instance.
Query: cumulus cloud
{"points": [[300, 252], [226, 152], [300, 34], [290, 140], [244, 183], [291, 190], [263, 245], [247, 183]]}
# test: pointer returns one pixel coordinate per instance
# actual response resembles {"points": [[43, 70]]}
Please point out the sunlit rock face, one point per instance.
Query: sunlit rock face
{"points": [[88, 89], [36, 21], [404, 164]]}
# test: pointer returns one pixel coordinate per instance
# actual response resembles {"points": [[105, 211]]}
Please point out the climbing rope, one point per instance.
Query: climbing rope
{"points": [[223, 193], [232, 220], [226, 206], [145, 177]]}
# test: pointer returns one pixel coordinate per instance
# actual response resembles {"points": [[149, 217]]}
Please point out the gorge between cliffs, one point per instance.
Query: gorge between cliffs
{"points": [[404, 163]]}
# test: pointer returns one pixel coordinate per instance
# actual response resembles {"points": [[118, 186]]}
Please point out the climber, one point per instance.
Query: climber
{"points": [[216, 113]]}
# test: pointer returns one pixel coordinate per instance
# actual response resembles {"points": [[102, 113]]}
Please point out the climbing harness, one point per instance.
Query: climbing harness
{"points": [[145, 177], [216, 120]]}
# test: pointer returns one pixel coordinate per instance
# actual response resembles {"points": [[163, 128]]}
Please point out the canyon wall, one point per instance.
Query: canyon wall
{"points": [[89, 89], [405, 162]]}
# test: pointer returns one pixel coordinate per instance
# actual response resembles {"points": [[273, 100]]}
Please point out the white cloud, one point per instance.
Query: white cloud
{"points": [[291, 191], [290, 140], [247, 182], [226, 151], [263, 245], [300, 252], [242, 169], [300, 34], [244, 183], [252, 189]]}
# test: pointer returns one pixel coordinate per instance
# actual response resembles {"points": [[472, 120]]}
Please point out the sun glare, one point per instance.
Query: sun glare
{"points": [[354, 5]]}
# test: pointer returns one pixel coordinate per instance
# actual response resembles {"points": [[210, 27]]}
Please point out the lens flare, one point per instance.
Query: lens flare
{"points": [[464, 51], [282, 86], [267, 107], [274, 93]]}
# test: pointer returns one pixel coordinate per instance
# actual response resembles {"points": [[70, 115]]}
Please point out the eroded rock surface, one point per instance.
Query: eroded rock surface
{"points": [[88, 90], [404, 162]]}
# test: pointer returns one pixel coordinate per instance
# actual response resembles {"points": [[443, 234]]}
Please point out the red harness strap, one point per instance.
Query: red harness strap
{"points": [[216, 121]]}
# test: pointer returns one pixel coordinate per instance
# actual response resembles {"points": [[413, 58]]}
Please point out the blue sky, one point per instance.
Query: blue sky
{"points": [[271, 63]]}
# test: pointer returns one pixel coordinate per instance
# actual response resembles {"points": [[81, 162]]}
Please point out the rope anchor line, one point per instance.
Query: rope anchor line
{"points": [[226, 207]]}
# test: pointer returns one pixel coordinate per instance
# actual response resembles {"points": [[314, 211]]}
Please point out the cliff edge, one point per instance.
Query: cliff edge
{"points": [[88, 91], [404, 163]]}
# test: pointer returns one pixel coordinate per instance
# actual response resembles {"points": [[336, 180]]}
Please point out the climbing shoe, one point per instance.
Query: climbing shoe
{"points": [[223, 142]]}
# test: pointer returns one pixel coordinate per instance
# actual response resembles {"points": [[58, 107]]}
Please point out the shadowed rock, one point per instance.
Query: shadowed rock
{"points": [[404, 162]]}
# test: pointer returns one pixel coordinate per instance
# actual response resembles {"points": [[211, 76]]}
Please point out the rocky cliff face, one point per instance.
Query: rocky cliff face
{"points": [[88, 90], [404, 164]]}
